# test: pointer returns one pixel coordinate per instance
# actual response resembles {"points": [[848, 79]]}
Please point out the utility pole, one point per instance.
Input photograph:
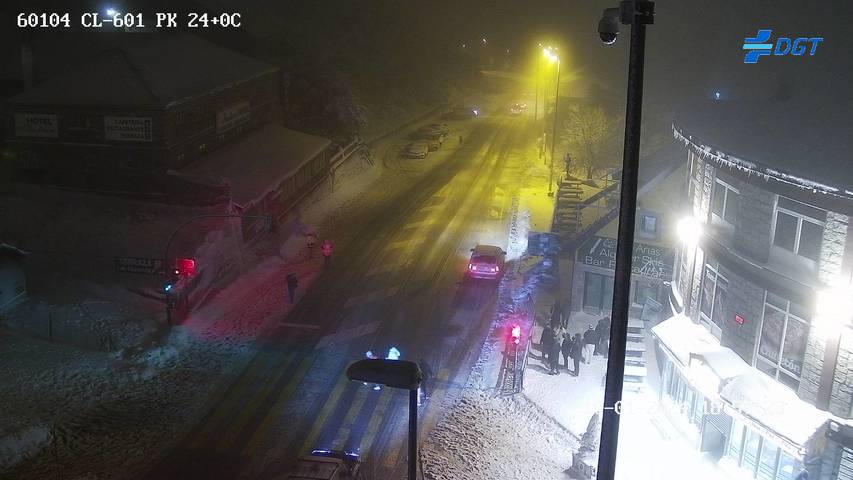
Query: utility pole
{"points": [[554, 131], [638, 14]]}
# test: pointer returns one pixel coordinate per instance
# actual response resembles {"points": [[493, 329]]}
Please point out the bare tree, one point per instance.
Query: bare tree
{"points": [[592, 137]]}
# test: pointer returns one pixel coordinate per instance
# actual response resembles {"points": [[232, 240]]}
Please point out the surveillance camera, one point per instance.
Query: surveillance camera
{"points": [[608, 29]]}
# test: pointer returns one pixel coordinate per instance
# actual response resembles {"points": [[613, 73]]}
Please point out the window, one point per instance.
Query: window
{"points": [[712, 297], [798, 228], [648, 226], [782, 342], [598, 292], [724, 202]]}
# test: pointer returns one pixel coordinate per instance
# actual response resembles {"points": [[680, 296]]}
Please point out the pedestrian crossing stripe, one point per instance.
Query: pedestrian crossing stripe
{"points": [[232, 395], [372, 296], [387, 267], [328, 407], [260, 433], [375, 421], [248, 411], [351, 415], [410, 242]]}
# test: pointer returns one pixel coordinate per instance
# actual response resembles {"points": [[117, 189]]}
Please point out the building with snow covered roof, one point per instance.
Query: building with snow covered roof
{"points": [[770, 183], [137, 105]]}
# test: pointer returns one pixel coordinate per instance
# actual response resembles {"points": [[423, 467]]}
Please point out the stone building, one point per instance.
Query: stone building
{"points": [[773, 206]]}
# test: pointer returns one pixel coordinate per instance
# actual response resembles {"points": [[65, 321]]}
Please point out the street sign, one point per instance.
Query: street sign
{"points": [[147, 266], [648, 260]]}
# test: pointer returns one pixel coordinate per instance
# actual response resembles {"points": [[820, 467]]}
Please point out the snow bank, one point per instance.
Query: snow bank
{"points": [[22, 444]]}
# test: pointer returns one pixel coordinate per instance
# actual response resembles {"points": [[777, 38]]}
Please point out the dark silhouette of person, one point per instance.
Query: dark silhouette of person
{"points": [[292, 283]]}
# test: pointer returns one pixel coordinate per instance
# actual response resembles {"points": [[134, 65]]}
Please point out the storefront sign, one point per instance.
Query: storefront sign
{"points": [[148, 266], [648, 260], [233, 116], [739, 319], [127, 129], [36, 125]]}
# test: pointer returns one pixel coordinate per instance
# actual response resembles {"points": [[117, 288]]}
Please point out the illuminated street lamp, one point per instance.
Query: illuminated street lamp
{"points": [[553, 58], [689, 231], [834, 312]]}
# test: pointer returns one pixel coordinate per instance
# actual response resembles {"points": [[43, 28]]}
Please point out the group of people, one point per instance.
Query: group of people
{"points": [[556, 340]]}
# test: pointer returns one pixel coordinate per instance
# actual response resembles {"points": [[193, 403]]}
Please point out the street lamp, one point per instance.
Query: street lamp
{"points": [[638, 14], [834, 312], [536, 95], [395, 374], [553, 58], [689, 231]]}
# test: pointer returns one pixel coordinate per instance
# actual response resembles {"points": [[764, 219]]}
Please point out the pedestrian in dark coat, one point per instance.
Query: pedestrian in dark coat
{"points": [[577, 353], [426, 377], [589, 341], [556, 345], [545, 343], [292, 283], [602, 331], [566, 349]]}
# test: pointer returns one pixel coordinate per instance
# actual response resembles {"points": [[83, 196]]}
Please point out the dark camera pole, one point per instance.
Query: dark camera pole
{"points": [[413, 434], [638, 14]]}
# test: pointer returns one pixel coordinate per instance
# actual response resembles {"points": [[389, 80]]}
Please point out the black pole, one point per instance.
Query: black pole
{"points": [[554, 131], [640, 14], [413, 434]]}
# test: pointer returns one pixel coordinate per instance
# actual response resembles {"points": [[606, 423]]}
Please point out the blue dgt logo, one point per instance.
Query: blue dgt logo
{"points": [[760, 45]]}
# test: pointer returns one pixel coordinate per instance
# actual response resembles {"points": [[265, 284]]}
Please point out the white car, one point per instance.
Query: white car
{"points": [[417, 150], [487, 261]]}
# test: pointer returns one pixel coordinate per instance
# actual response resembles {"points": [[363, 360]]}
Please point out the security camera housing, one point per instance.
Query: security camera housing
{"points": [[608, 28]]}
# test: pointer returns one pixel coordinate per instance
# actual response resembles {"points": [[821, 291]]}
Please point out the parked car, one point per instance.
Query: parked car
{"points": [[441, 128], [487, 261], [327, 465], [417, 150], [464, 113], [517, 108]]}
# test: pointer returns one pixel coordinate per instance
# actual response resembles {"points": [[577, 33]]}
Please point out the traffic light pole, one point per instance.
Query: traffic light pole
{"points": [[166, 270]]}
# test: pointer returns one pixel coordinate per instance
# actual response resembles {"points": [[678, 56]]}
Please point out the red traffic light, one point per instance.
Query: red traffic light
{"points": [[515, 333], [185, 267]]}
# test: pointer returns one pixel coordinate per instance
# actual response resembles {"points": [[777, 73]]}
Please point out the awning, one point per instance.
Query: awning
{"points": [[773, 406], [682, 337], [724, 362]]}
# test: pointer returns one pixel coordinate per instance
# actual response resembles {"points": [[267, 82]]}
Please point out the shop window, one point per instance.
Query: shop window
{"points": [[768, 460], [788, 467], [724, 202], [751, 449], [798, 228], [736, 441], [711, 300], [598, 292], [782, 342], [648, 226]]}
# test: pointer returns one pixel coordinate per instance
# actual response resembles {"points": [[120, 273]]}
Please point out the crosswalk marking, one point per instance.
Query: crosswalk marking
{"points": [[342, 336], [393, 456], [349, 419], [261, 432], [410, 242], [231, 397], [329, 406], [387, 267], [228, 438], [375, 421], [372, 296]]}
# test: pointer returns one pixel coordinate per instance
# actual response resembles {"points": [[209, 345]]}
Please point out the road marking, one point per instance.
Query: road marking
{"points": [[375, 421], [349, 334], [261, 432], [390, 460], [387, 267], [227, 440], [231, 396], [300, 325], [410, 242], [417, 223], [349, 419], [372, 296], [328, 407]]}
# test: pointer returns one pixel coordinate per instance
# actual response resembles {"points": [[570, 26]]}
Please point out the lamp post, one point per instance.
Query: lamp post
{"points": [[689, 231], [834, 312], [536, 93], [554, 58], [638, 14], [395, 374]]}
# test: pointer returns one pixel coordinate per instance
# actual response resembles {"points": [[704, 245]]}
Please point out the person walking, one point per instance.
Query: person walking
{"points": [[425, 386], [566, 348], [292, 283], [460, 139], [326, 248], [556, 315], [545, 343], [577, 353], [602, 331], [556, 345], [310, 242], [589, 341]]}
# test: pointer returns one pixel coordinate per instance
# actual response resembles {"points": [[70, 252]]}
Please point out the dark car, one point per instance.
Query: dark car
{"points": [[487, 261]]}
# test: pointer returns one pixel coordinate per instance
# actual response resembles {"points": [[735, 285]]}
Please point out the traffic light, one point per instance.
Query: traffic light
{"points": [[184, 267], [515, 334]]}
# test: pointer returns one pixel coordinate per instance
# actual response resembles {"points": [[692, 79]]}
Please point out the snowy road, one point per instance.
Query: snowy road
{"points": [[396, 282]]}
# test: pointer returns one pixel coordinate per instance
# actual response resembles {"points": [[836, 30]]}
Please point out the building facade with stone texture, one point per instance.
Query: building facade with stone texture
{"points": [[776, 233]]}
